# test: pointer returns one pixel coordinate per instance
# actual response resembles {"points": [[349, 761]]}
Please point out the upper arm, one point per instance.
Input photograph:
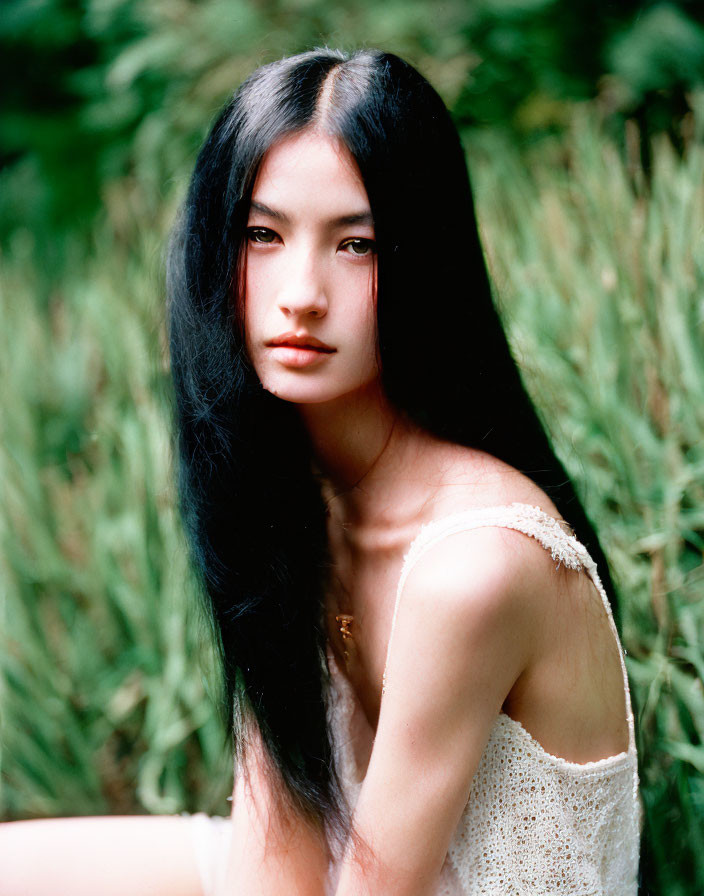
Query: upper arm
{"points": [[464, 633]]}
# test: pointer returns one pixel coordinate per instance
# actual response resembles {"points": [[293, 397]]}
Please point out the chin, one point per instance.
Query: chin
{"points": [[303, 396], [317, 387], [311, 392]]}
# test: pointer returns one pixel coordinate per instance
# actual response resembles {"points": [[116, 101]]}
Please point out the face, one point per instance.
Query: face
{"points": [[309, 309]]}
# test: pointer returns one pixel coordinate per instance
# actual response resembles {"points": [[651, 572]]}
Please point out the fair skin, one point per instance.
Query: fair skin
{"points": [[486, 624]]}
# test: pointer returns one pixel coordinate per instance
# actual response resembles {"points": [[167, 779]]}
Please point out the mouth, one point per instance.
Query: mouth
{"points": [[308, 348], [294, 356], [306, 342]]}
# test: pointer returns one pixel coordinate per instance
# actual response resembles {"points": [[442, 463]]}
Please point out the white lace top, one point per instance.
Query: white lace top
{"points": [[534, 823]]}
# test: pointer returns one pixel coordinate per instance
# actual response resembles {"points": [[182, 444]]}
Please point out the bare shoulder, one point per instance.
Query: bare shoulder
{"points": [[491, 560], [472, 607], [482, 569], [469, 477]]}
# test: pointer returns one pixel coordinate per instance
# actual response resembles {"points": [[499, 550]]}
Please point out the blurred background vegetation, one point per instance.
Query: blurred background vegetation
{"points": [[584, 126]]}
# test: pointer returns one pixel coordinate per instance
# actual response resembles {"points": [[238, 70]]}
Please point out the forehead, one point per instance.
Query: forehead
{"points": [[310, 171]]}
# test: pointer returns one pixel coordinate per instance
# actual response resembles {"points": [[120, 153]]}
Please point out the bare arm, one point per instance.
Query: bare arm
{"points": [[111, 856], [273, 849], [464, 633]]}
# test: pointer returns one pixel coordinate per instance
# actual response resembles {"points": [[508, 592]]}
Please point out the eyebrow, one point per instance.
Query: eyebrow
{"points": [[364, 217]]}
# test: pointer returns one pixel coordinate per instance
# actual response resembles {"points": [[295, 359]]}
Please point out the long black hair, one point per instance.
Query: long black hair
{"points": [[252, 507]]}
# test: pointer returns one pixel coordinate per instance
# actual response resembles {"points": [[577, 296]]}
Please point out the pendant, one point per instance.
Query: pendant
{"points": [[345, 620]]}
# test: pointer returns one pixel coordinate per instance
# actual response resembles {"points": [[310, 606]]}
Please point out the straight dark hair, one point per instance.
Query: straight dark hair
{"points": [[251, 504]]}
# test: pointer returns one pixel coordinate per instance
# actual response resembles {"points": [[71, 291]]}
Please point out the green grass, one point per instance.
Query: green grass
{"points": [[108, 698], [104, 705]]}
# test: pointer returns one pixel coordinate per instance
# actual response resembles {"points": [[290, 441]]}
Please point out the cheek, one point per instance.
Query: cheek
{"points": [[361, 292], [372, 306], [368, 329], [252, 305], [247, 331], [239, 295], [373, 324], [252, 332]]}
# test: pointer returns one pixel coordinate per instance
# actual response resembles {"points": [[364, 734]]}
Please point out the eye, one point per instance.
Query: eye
{"points": [[359, 247], [260, 235]]}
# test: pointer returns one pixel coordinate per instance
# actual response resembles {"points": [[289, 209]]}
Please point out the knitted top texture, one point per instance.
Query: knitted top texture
{"points": [[534, 823]]}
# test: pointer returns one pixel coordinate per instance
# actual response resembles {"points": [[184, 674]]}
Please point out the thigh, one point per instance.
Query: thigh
{"points": [[112, 856]]}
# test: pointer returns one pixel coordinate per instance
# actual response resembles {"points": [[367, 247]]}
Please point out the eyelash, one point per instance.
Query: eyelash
{"points": [[254, 232]]}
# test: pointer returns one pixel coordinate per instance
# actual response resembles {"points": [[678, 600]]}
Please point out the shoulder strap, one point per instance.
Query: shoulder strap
{"points": [[553, 534]]}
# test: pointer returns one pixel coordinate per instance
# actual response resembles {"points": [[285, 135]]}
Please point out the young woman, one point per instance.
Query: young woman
{"points": [[428, 691], [422, 654]]}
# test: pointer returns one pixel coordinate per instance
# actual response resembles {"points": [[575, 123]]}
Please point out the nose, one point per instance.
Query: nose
{"points": [[303, 291]]}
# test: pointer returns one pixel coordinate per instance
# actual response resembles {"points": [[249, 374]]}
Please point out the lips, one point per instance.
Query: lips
{"points": [[301, 340]]}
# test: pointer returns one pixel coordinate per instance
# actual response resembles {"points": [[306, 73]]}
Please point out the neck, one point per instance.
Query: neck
{"points": [[363, 452]]}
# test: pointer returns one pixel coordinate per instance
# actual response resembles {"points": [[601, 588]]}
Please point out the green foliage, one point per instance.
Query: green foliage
{"points": [[662, 48], [95, 91], [104, 706], [653, 63]]}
